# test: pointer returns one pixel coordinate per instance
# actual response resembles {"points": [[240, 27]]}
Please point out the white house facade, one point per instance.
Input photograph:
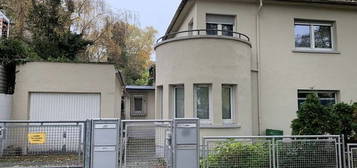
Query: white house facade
{"points": [[244, 66]]}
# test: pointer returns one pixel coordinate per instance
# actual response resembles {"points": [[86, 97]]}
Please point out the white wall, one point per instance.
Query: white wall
{"points": [[5, 106]]}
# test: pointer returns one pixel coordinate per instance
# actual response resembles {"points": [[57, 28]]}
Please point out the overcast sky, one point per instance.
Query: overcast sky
{"points": [[156, 13]]}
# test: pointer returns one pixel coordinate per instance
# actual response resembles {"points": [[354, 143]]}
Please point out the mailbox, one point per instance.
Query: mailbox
{"points": [[105, 143]]}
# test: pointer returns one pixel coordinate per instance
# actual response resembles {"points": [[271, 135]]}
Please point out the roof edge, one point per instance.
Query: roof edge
{"points": [[177, 14]]}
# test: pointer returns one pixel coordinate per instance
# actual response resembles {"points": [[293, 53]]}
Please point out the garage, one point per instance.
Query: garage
{"points": [[64, 106]]}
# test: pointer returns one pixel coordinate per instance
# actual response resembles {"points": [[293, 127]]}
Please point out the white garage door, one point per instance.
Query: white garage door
{"points": [[64, 106]]}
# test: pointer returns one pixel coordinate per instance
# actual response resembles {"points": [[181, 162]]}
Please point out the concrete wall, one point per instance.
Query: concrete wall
{"points": [[149, 104], [67, 78], [207, 60], [5, 106]]}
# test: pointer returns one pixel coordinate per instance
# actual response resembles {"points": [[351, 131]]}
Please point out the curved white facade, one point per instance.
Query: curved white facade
{"points": [[213, 61]]}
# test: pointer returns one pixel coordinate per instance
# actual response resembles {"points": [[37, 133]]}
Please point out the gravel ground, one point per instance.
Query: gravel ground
{"points": [[40, 161]]}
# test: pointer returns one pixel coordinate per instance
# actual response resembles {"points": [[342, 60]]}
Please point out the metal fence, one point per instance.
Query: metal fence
{"points": [[41, 144], [272, 152], [352, 155], [146, 144]]}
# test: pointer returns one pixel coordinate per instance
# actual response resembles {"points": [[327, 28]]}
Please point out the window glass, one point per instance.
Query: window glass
{"points": [[322, 36], [226, 103], [179, 102], [326, 97], [211, 28], [138, 104], [313, 35], [302, 36], [202, 102], [227, 30]]}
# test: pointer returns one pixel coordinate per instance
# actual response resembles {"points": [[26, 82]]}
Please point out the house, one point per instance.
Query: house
{"points": [[4, 25], [244, 66], [139, 103], [66, 91], [5, 98]]}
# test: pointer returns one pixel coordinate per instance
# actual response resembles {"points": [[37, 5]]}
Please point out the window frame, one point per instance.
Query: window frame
{"points": [[311, 25], [133, 111], [335, 92], [219, 30], [174, 99], [232, 103], [210, 115], [190, 27]]}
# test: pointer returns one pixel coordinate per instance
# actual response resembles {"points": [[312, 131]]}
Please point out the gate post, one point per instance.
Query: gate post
{"points": [[186, 143], [103, 143]]}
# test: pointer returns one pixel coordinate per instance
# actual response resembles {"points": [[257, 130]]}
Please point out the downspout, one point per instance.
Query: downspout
{"points": [[261, 4]]}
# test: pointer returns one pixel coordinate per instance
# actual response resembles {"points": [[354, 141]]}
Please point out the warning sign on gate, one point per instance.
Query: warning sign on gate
{"points": [[37, 138]]}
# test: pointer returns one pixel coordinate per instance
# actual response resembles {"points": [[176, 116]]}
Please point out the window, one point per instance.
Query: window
{"points": [[137, 107], [314, 35], [325, 97], [220, 24], [202, 101], [227, 30], [190, 27], [212, 28], [179, 102], [227, 102], [160, 99]]}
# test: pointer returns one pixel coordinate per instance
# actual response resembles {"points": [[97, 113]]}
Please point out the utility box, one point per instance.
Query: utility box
{"points": [[272, 132], [105, 143], [186, 143]]}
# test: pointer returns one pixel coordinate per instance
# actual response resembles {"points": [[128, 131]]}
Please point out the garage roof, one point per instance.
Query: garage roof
{"points": [[133, 87]]}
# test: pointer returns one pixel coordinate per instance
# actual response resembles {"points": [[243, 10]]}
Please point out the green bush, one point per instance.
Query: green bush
{"points": [[234, 154], [313, 118]]}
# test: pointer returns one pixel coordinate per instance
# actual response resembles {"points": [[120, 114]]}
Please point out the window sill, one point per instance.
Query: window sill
{"points": [[216, 126], [315, 51]]}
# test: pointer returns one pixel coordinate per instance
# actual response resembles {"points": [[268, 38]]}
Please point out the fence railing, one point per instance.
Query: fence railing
{"points": [[198, 32], [272, 152], [352, 155], [41, 143], [146, 143], [155, 144]]}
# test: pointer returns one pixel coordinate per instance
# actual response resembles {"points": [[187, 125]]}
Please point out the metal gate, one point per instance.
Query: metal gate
{"points": [[146, 143], [41, 143], [272, 151], [352, 155]]}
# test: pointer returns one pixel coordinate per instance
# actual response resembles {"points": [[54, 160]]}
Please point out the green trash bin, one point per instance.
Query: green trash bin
{"points": [[272, 132]]}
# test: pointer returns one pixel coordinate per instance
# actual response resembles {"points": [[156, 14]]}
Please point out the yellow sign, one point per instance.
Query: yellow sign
{"points": [[37, 138]]}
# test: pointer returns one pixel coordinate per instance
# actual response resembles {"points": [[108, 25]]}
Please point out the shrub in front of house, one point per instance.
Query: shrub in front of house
{"points": [[235, 154]]}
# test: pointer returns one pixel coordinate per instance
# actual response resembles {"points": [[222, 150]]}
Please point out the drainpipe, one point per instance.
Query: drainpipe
{"points": [[259, 63]]}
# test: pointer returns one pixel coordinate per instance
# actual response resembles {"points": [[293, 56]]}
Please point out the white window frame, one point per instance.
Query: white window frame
{"points": [[138, 113], [232, 103], [311, 25], [210, 115], [174, 99], [336, 92]]}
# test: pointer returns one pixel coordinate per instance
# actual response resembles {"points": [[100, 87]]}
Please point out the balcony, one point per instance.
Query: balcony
{"points": [[202, 34], [203, 56]]}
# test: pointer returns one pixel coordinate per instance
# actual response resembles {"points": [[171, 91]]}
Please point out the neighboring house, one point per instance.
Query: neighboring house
{"points": [[243, 84], [4, 26], [5, 98], [66, 91], [140, 103]]}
